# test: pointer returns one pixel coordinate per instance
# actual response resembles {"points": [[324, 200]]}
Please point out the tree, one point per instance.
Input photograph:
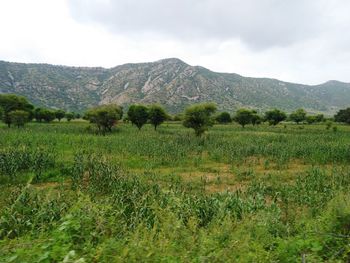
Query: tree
{"points": [[343, 116], [11, 102], [319, 118], [275, 116], [223, 118], [47, 115], [19, 117], [256, 118], [156, 115], [38, 114], [1, 113], [199, 117], [69, 116], [298, 116], [105, 116], [310, 119], [243, 117], [138, 115], [60, 114]]}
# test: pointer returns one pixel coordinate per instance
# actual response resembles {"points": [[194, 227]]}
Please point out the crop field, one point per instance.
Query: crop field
{"points": [[253, 194]]}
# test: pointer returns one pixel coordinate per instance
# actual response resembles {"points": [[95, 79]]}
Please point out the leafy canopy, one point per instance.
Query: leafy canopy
{"points": [[243, 117], [19, 117], [223, 117], [60, 114], [298, 116], [343, 116], [275, 116], [105, 116], [156, 115], [199, 117], [11, 102], [138, 115]]}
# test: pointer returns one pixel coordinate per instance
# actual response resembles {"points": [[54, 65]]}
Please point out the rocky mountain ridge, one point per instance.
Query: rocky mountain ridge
{"points": [[170, 82]]}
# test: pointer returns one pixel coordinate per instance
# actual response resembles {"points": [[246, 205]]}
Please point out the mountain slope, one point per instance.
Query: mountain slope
{"points": [[170, 82]]}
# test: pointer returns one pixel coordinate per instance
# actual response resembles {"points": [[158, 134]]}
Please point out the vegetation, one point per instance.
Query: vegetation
{"points": [[70, 116], [199, 117], [105, 117], [156, 115], [9, 103], [60, 114], [298, 116], [274, 117], [19, 117], [138, 115], [259, 194], [243, 117], [223, 118], [343, 116]]}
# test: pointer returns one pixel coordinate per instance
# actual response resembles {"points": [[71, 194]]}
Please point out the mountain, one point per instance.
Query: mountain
{"points": [[170, 82]]}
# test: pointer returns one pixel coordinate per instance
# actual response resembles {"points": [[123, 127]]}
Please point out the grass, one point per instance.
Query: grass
{"points": [[258, 194]]}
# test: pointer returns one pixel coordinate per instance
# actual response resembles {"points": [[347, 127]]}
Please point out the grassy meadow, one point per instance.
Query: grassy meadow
{"points": [[258, 194]]}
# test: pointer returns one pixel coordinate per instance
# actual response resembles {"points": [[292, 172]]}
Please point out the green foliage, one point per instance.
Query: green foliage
{"points": [[273, 117], [343, 116], [262, 195], [1, 113], [199, 117], [256, 118], [19, 117], [60, 114], [105, 116], [223, 118], [138, 115], [11, 102], [243, 117], [69, 116], [298, 116], [42, 114], [156, 115]]}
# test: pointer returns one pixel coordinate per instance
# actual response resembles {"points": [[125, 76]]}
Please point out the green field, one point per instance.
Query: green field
{"points": [[258, 194]]}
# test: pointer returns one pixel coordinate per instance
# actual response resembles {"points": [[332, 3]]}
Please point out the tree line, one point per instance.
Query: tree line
{"points": [[17, 110]]}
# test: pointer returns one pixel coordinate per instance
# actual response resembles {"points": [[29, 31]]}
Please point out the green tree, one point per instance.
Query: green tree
{"points": [[138, 115], [69, 116], [199, 117], [47, 115], [298, 116], [60, 114], [1, 113], [105, 116], [19, 117], [256, 118], [319, 118], [11, 102], [156, 115], [275, 116], [343, 116], [223, 118], [243, 117], [38, 114]]}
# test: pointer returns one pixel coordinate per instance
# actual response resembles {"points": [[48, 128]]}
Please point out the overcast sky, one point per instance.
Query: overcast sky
{"points": [[304, 41]]}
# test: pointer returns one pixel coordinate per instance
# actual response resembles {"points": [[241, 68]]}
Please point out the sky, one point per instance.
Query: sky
{"points": [[302, 41]]}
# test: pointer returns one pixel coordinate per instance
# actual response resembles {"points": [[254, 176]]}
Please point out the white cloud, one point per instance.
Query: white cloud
{"points": [[293, 41]]}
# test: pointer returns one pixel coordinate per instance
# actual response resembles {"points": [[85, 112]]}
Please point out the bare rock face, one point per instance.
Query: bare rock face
{"points": [[170, 82]]}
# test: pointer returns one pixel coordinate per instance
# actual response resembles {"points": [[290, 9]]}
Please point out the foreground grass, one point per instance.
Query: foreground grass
{"points": [[258, 194]]}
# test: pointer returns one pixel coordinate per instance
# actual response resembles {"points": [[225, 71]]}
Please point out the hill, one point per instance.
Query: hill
{"points": [[170, 82]]}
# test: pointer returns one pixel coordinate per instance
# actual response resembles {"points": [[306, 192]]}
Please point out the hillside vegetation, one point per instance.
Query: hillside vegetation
{"points": [[170, 82]]}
